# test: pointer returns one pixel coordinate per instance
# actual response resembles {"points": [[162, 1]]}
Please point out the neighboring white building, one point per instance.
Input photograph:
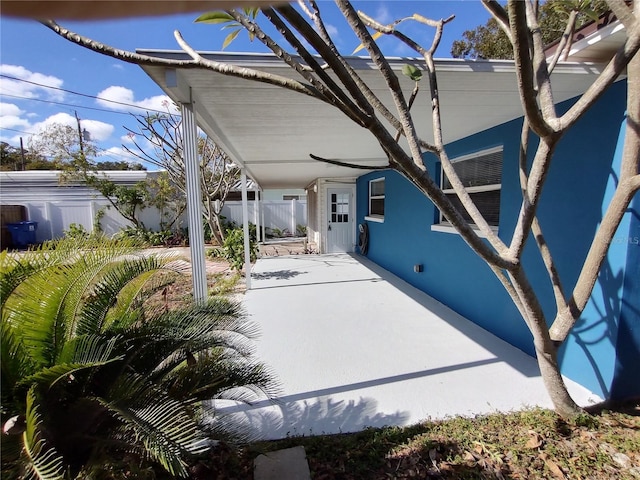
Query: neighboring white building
{"points": [[285, 194], [55, 205]]}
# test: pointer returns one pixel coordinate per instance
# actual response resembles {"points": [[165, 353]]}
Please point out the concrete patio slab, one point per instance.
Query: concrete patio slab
{"points": [[354, 346]]}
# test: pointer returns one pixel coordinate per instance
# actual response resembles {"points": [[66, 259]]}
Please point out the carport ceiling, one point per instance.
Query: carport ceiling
{"points": [[272, 131]]}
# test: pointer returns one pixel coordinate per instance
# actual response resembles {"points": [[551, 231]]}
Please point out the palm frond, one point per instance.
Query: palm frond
{"points": [[46, 303], [163, 425], [128, 307], [94, 267], [89, 349], [14, 270], [15, 362], [41, 461], [218, 375], [34, 310], [134, 272], [52, 375], [160, 344]]}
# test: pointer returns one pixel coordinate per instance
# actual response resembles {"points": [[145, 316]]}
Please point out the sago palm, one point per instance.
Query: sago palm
{"points": [[89, 375]]}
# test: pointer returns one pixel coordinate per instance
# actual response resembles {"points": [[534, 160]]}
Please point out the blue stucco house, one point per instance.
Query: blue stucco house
{"points": [[270, 132], [603, 350]]}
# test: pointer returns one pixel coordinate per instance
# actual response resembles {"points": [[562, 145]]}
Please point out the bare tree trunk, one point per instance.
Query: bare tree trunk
{"points": [[546, 349]]}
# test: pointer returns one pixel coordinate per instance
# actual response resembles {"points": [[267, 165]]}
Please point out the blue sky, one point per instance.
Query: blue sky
{"points": [[29, 51]]}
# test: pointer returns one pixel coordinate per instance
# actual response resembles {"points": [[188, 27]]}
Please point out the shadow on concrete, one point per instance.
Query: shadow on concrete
{"points": [[357, 386], [279, 275], [312, 417]]}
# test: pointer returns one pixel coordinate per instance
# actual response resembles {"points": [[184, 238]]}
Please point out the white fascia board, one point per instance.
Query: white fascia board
{"points": [[268, 60], [596, 37]]}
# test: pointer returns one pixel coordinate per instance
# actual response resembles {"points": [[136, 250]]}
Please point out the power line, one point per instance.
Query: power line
{"points": [[18, 131], [63, 104], [81, 94], [104, 151]]}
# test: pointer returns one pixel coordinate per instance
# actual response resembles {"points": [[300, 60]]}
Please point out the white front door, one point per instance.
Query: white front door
{"points": [[340, 228]]}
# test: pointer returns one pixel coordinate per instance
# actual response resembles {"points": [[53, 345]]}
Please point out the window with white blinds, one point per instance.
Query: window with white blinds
{"points": [[481, 175], [376, 198]]}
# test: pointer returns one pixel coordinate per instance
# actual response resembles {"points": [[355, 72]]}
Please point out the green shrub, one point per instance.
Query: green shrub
{"points": [[165, 238], [76, 231], [233, 249], [301, 230], [277, 233], [91, 379]]}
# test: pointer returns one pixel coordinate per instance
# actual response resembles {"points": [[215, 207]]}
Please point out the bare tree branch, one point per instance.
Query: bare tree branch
{"points": [[348, 165], [296, 20], [331, 96], [550, 265], [537, 177], [247, 73], [498, 12], [541, 69], [623, 13], [525, 67], [609, 75], [457, 185], [123, 55], [565, 41], [390, 78]]}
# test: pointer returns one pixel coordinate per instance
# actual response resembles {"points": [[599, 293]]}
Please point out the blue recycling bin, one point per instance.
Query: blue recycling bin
{"points": [[23, 234]]}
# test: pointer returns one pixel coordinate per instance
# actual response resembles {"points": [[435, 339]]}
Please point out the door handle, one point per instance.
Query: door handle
{"points": [[329, 229]]}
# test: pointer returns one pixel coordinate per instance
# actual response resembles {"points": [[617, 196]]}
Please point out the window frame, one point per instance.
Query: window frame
{"points": [[376, 217], [442, 224]]}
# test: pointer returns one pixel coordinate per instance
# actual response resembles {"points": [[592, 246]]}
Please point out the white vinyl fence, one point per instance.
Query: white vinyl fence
{"points": [[55, 207], [283, 215]]}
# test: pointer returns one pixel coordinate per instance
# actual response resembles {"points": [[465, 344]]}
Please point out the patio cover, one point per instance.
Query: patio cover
{"points": [[271, 131]]}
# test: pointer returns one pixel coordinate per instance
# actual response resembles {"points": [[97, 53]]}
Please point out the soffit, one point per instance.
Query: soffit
{"points": [[272, 131]]}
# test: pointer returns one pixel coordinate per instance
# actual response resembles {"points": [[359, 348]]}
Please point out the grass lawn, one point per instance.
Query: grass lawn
{"points": [[532, 444]]}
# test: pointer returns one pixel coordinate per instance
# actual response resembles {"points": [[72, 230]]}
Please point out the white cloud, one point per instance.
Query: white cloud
{"points": [[115, 94], [13, 121], [125, 98], [9, 109], [10, 119], [332, 30], [98, 130], [117, 154], [29, 90], [383, 15]]}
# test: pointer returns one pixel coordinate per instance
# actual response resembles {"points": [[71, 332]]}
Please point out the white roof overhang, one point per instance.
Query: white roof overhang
{"points": [[271, 131]]}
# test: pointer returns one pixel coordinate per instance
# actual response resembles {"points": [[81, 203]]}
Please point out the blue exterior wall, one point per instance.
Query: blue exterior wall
{"points": [[579, 184]]}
